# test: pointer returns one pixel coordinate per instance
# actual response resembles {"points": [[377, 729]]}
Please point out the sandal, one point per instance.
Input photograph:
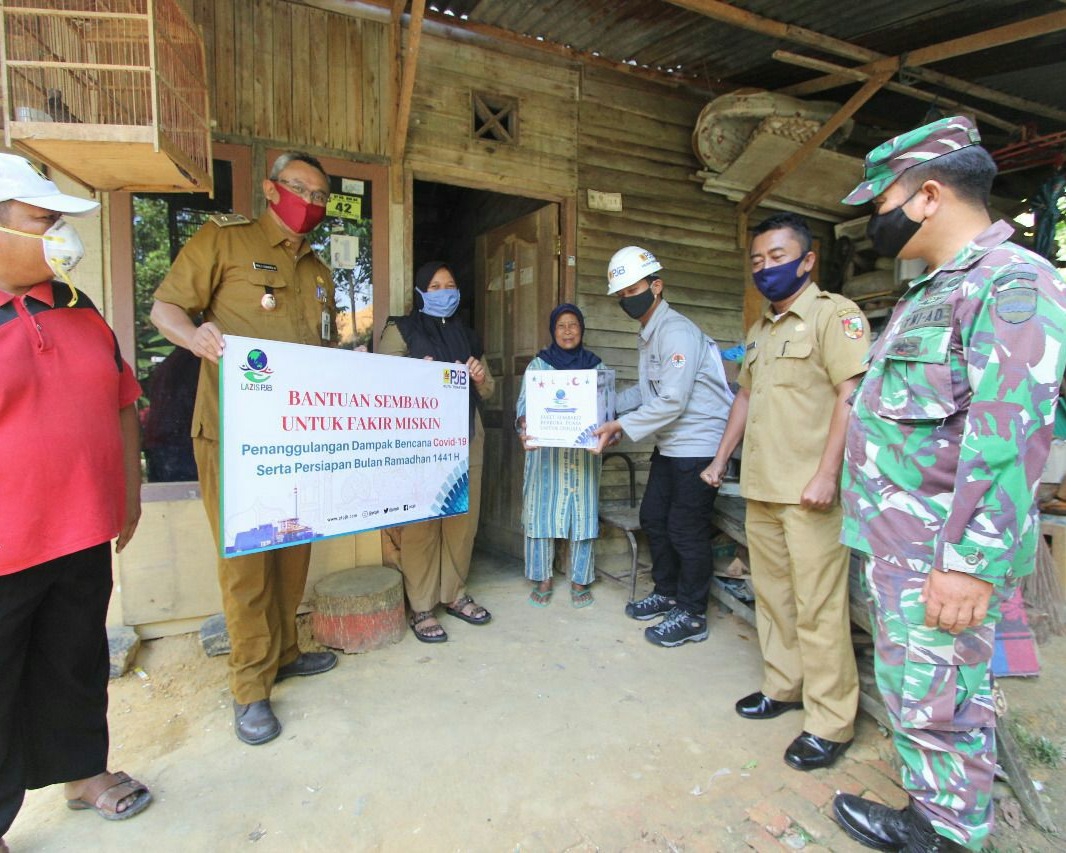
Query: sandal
{"points": [[109, 792], [477, 615], [540, 597], [427, 634], [581, 596]]}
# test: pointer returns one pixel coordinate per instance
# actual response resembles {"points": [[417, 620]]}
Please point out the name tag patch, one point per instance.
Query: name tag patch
{"points": [[923, 317], [259, 265]]}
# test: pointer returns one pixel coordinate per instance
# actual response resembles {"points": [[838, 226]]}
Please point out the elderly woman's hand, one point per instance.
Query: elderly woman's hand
{"points": [[477, 370]]}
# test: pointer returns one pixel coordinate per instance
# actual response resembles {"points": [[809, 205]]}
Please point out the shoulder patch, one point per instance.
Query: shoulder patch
{"points": [[852, 327], [223, 220], [1015, 304], [677, 360]]}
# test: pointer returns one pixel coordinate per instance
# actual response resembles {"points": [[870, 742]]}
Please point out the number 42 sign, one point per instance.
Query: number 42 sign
{"points": [[344, 206]]}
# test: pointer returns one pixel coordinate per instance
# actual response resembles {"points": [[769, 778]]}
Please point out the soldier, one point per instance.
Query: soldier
{"points": [[803, 360], [258, 279], [949, 433]]}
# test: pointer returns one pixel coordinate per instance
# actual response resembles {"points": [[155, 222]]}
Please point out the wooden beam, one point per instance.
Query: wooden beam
{"points": [[766, 185], [855, 74], [407, 88], [996, 37], [720, 11], [727, 14]]}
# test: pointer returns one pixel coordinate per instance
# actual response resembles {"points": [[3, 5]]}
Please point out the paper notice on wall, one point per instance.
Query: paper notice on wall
{"points": [[345, 206], [352, 187], [343, 251], [526, 276]]}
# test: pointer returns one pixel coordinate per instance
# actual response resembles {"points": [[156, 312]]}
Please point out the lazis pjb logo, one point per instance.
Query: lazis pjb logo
{"points": [[255, 368], [454, 378]]}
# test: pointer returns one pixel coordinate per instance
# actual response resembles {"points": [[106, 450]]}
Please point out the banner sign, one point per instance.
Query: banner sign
{"points": [[321, 442]]}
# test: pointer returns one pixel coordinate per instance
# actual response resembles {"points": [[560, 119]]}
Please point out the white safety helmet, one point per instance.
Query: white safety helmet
{"points": [[628, 266]]}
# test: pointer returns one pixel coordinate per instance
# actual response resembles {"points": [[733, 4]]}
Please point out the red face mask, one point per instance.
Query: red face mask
{"points": [[298, 215]]}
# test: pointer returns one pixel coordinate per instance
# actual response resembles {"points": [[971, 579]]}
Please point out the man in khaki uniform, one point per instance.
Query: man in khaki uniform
{"points": [[257, 279], [804, 358]]}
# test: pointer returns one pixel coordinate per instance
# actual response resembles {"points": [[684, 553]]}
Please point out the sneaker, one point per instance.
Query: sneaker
{"points": [[650, 607], [678, 627]]}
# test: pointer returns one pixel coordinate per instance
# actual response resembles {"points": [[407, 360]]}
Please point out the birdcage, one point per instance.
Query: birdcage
{"points": [[112, 92]]}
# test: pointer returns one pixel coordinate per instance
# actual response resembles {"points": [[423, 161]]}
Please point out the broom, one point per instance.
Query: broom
{"points": [[1043, 594]]}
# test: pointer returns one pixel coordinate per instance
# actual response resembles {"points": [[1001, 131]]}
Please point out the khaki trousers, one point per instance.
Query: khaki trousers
{"points": [[435, 555], [260, 595], [800, 573]]}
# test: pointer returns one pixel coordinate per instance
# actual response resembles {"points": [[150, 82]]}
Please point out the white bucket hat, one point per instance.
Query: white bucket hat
{"points": [[20, 181]]}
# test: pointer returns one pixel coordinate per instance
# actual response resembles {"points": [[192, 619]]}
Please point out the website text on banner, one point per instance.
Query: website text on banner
{"points": [[322, 442]]}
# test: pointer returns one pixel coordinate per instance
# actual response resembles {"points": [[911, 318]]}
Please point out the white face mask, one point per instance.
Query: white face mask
{"points": [[63, 248]]}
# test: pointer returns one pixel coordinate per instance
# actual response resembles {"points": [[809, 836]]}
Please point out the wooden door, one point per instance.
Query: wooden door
{"points": [[517, 279]]}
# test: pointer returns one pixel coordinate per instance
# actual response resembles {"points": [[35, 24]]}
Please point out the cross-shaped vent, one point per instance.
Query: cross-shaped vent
{"points": [[495, 117]]}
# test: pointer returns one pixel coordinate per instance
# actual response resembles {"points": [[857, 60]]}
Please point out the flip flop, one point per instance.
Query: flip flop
{"points": [[457, 612], [420, 617], [581, 597], [540, 597], [109, 797]]}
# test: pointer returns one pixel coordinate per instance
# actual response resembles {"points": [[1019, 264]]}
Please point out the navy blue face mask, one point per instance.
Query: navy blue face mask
{"points": [[779, 283]]}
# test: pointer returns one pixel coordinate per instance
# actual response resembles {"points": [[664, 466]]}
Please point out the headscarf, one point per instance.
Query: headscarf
{"points": [[577, 358], [446, 339]]}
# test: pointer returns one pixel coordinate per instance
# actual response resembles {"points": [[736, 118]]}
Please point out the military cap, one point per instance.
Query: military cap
{"points": [[891, 159]]}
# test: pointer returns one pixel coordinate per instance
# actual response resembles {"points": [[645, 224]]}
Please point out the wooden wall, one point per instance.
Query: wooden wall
{"points": [[297, 75], [440, 144], [634, 140]]}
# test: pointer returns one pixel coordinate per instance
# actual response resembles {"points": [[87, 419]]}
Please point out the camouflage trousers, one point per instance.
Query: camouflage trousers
{"points": [[937, 690]]}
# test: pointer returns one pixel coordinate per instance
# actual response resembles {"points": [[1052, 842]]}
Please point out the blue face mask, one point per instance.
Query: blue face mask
{"points": [[440, 303], [779, 283]]}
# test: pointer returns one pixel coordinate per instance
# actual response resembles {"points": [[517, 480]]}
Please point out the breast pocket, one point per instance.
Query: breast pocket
{"points": [[266, 295], [917, 378], [791, 365]]}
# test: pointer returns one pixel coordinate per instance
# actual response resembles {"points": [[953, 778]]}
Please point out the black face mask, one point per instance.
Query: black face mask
{"points": [[637, 306], [890, 232]]}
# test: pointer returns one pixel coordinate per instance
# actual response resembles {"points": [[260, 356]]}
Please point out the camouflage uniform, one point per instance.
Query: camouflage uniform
{"points": [[964, 377]]}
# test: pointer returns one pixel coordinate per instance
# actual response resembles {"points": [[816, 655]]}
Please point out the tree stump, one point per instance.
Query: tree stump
{"points": [[358, 610]]}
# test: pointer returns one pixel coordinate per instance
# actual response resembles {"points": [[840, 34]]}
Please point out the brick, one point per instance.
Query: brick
{"points": [[888, 790], [767, 813], [760, 840], [806, 814], [842, 783], [815, 790]]}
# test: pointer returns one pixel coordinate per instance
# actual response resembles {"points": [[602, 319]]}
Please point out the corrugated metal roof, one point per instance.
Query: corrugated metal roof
{"points": [[675, 41]]}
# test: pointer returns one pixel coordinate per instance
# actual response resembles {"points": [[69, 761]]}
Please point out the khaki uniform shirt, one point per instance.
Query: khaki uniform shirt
{"points": [[225, 270], [791, 369]]}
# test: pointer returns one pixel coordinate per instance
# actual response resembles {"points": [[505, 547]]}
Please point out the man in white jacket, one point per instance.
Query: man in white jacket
{"points": [[682, 399]]}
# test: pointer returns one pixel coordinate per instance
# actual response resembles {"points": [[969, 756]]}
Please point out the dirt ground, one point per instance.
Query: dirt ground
{"points": [[547, 730]]}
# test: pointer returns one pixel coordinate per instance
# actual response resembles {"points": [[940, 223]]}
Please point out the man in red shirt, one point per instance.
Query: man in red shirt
{"points": [[69, 484]]}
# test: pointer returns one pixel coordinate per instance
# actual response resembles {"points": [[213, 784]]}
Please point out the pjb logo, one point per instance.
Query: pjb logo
{"points": [[454, 377]]}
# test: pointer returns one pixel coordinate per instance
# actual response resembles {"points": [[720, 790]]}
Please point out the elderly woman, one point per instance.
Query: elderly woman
{"points": [[435, 554], [560, 491]]}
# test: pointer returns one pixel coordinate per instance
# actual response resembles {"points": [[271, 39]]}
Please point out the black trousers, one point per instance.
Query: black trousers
{"points": [[54, 667], [676, 516]]}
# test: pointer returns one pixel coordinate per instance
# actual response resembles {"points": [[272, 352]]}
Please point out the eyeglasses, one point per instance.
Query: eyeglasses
{"points": [[314, 196]]}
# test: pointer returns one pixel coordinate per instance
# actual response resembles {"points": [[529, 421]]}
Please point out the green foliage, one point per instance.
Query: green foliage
{"points": [[151, 262], [1037, 748]]}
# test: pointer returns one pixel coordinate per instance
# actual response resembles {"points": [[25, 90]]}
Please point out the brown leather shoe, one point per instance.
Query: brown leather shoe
{"points": [[255, 722]]}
